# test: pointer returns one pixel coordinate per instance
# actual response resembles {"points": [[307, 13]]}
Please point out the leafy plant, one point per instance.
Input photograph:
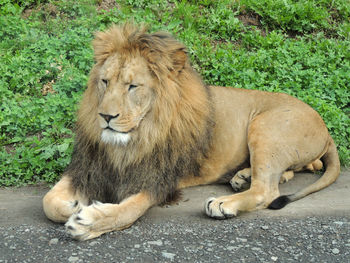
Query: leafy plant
{"points": [[296, 47]]}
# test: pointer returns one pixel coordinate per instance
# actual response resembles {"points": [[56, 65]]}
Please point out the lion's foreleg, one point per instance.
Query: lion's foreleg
{"points": [[241, 180], [62, 201], [99, 218]]}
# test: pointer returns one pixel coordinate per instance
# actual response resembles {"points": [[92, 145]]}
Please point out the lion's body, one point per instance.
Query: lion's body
{"points": [[281, 119], [148, 126]]}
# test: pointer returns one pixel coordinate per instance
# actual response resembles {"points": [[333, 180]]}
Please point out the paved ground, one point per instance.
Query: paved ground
{"points": [[314, 229]]}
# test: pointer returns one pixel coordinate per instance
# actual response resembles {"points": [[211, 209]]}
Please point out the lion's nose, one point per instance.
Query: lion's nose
{"points": [[108, 117]]}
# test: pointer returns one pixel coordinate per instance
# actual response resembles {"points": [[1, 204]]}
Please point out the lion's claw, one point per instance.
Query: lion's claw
{"points": [[217, 209]]}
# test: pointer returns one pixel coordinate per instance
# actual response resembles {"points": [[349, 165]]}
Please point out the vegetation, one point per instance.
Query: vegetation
{"points": [[297, 47]]}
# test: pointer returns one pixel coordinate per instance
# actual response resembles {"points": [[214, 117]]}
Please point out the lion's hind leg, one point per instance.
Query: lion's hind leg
{"points": [[274, 147], [242, 179], [268, 151], [263, 189], [62, 201]]}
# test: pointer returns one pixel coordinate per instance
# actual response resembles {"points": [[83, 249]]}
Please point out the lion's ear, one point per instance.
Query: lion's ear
{"points": [[179, 59]]}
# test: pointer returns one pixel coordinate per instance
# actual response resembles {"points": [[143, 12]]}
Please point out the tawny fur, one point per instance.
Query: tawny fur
{"points": [[171, 132]]}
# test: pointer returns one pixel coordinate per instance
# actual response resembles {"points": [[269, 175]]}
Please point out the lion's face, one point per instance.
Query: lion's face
{"points": [[126, 95]]}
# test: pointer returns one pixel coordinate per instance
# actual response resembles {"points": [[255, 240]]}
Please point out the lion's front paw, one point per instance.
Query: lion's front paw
{"points": [[241, 180], [74, 206], [219, 208], [84, 224]]}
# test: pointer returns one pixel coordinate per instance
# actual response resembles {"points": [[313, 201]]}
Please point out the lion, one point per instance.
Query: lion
{"points": [[148, 127]]}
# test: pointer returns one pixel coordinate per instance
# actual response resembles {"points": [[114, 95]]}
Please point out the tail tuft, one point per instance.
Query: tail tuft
{"points": [[280, 202]]}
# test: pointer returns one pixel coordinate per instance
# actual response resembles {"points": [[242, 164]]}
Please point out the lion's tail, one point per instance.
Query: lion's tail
{"points": [[331, 161]]}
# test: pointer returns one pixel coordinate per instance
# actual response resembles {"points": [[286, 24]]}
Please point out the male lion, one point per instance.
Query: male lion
{"points": [[148, 126]]}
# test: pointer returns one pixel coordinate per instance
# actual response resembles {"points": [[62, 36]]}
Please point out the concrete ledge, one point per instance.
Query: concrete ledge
{"points": [[23, 205]]}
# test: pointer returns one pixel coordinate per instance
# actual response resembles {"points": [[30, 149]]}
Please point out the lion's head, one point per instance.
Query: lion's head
{"points": [[136, 86], [145, 108]]}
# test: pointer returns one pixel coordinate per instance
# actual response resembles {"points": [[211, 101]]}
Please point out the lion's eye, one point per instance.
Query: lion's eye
{"points": [[105, 82], [131, 86]]}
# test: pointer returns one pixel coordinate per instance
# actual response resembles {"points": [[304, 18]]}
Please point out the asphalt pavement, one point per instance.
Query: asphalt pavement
{"points": [[314, 229]]}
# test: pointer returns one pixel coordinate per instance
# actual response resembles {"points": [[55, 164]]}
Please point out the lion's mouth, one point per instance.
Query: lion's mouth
{"points": [[118, 131], [112, 136]]}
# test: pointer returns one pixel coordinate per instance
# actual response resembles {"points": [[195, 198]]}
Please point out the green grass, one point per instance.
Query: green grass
{"points": [[297, 47]]}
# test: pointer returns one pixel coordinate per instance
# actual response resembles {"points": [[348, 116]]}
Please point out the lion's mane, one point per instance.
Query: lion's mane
{"points": [[172, 141]]}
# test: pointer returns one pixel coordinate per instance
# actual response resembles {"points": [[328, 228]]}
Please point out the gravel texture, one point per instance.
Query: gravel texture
{"points": [[310, 239]]}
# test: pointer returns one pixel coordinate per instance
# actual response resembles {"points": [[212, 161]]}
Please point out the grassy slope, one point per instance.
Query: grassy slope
{"points": [[45, 55]]}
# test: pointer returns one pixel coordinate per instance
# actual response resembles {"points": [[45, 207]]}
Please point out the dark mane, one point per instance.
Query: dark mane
{"points": [[94, 175]]}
